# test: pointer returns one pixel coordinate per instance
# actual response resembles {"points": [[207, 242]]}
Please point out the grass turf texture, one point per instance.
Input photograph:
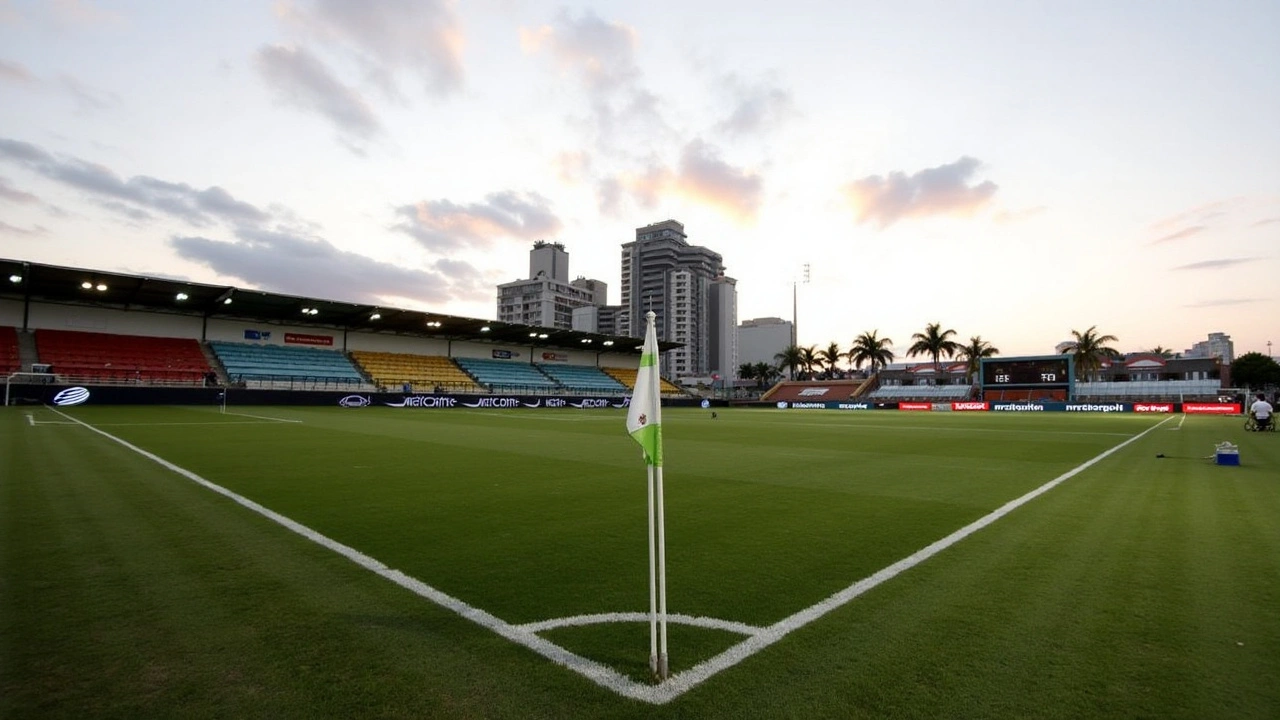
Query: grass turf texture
{"points": [[1143, 587]]}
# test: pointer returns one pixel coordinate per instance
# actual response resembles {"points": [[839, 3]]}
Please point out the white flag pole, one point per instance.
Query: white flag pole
{"points": [[653, 591], [663, 667]]}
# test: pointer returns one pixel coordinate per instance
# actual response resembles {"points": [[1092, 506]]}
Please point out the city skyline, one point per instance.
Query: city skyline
{"points": [[1010, 170]]}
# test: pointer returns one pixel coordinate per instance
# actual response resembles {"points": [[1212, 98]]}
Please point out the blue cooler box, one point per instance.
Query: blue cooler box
{"points": [[1228, 454]]}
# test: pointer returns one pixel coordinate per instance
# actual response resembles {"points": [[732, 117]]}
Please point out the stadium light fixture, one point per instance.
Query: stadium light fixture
{"points": [[15, 279], [433, 323], [376, 316], [227, 301], [542, 336], [310, 311], [607, 343], [533, 334], [86, 285], [484, 329], [101, 287], [181, 296], [585, 341]]}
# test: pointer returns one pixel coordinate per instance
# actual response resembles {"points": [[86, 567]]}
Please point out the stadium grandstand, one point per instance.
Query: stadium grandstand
{"points": [[85, 326]]}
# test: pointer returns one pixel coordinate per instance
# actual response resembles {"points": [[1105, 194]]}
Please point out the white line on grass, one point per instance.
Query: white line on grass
{"points": [[678, 684], [262, 417], [637, 617]]}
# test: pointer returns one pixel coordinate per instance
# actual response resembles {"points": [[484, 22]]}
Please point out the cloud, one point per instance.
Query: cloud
{"points": [[179, 200], [1013, 216], [8, 229], [572, 167], [292, 264], [601, 55], [11, 194], [941, 190], [15, 73], [302, 80], [757, 107], [1224, 302], [704, 177], [87, 99], [423, 37], [701, 176], [1180, 234], [1199, 215], [1215, 264], [1266, 221], [444, 225]]}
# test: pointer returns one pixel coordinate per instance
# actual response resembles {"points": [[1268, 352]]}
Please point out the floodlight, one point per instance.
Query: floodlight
{"points": [[102, 287], [181, 296], [86, 285], [484, 329], [607, 343], [15, 278]]}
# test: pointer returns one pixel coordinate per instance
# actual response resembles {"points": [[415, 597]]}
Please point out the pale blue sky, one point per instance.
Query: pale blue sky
{"points": [[1013, 170]]}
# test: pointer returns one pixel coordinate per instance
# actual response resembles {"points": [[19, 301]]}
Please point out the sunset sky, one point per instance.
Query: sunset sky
{"points": [[1010, 169]]}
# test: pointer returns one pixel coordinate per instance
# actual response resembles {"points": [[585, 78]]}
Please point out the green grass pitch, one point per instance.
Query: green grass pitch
{"points": [[1140, 587]]}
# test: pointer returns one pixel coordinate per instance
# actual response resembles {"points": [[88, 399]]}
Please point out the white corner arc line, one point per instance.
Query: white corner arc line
{"points": [[625, 617], [606, 677]]}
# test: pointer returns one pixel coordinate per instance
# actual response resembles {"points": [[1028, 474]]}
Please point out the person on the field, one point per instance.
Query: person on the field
{"points": [[1261, 411]]}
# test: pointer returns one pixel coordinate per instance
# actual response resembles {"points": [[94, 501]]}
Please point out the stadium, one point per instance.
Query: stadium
{"points": [[225, 502]]}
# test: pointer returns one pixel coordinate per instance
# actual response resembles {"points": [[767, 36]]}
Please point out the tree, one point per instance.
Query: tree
{"points": [[765, 373], [1255, 371], [747, 371], [831, 356], [789, 359], [973, 353], [809, 358], [1090, 349], [871, 349], [934, 342], [1163, 352]]}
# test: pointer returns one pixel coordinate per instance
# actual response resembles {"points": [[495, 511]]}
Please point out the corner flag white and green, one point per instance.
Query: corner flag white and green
{"points": [[644, 422], [644, 416]]}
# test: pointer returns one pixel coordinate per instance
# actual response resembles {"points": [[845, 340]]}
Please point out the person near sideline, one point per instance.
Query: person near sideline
{"points": [[1261, 411]]}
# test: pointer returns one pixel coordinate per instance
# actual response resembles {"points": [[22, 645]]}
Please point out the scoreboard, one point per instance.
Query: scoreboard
{"points": [[1048, 371]]}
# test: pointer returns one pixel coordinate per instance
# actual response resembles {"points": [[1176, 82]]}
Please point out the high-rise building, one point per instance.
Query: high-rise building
{"points": [[547, 298], [662, 272], [1218, 345], [723, 328], [761, 339]]}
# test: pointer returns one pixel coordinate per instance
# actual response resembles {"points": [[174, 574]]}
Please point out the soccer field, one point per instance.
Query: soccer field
{"points": [[500, 565]]}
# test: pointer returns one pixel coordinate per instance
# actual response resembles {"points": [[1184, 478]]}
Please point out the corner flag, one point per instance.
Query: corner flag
{"points": [[644, 422], [644, 416]]}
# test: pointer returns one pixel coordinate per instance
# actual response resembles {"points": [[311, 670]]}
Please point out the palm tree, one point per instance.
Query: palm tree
{"points": [[809, 358], [747, 371], [1163, 352], [1089, 349], [870, 349], [789, 359], [831, 356], [765, 373], [934, 342], [973, 353]]}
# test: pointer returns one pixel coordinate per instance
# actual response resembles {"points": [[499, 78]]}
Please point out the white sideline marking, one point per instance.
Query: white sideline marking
{"points": [[201, 422], [262, 417], [608, 678], [31, 420]]}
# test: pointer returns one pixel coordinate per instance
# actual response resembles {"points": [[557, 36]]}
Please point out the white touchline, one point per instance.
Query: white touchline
{"points": [[262, 417], [608, 678]]}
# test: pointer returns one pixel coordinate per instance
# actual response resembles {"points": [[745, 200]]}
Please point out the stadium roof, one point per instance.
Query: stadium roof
{"points": [[21, 280]]}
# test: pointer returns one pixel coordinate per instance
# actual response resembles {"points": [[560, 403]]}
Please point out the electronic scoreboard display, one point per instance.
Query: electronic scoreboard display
{"points": [[1050, 371]]}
